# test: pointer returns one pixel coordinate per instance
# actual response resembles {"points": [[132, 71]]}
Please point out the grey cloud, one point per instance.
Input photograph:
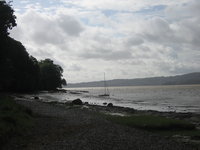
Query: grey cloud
{"points": [[176, 67], [102, 39], [74, 67], [180, 27], [43, 29], [181, 34], [47, 37], [157, 30], [183, 10], [107, 55], [38, 29], [134, 41], [190, 32], [149, 45], [184, 69], [40, 52], [70, 25], [134, 62]]}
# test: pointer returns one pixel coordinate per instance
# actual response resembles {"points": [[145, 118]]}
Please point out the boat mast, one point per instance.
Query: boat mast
{"points": [[104, 83]]}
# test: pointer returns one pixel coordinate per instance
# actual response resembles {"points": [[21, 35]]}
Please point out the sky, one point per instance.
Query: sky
{"points": [[123, 38]]}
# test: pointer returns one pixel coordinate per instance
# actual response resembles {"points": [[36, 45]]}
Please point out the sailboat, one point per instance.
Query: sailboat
{"points": [[106, 91]]}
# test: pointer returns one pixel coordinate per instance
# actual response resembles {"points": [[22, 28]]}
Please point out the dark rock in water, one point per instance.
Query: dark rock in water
{"points": [[53, 102], [105, 103], [62, 90], [110, 105], [77, 102], [71, 92], [86, 103], [36, 97], [20, 96]]}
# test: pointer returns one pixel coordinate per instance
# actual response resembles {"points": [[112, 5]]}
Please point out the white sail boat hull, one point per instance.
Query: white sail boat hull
{"points": [[106, 93]]}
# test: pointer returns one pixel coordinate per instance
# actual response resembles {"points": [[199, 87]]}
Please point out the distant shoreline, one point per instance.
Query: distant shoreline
{"points": [[198, 84], [185, 79]]}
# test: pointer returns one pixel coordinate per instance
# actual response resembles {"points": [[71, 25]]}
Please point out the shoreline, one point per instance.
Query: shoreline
{"points": [[180, 102], [80, 92], [93, 99], [63, 125], [124, 111]]}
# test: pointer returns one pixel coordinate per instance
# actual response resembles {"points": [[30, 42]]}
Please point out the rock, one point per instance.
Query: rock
{"points": [[86, 103], [84, 107], [77, 102], [20, 96], [110, 105], [36, 97], [104, 103], [71, 92], [196, 137]]}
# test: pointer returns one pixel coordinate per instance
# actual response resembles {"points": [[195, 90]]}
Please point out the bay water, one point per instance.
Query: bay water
{"points": [[176, 98]]}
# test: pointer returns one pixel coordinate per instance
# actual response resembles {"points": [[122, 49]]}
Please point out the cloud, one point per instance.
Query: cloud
{"points": [[42, 28], [107, 55], [69, 25], [130, 5], [75, 67], [126, 38], [134, 40]]}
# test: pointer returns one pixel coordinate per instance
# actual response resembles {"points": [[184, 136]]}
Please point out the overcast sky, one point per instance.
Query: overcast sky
{"points": [[123, 38]]}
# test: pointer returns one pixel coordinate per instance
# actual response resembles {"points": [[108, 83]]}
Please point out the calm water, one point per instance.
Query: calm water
{"points": [[180, 98]]}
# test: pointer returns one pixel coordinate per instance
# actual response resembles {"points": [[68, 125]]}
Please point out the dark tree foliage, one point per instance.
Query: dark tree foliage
{"points": [[7, 18], [64, 82], [20, 72], [50, 75]]}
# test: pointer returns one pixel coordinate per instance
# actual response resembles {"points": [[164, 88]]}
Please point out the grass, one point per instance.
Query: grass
{"points": [[14, 119], [157, 124], [151, 122], [192, 133]]}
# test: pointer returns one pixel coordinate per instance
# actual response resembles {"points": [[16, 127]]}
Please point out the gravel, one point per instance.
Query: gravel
{"points": [[59, 127]]}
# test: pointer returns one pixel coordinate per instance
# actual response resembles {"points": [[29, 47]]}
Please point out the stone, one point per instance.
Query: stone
{"points": [[104, 103], [77, 102], [110, 105], [36, 97], [86, 103]]}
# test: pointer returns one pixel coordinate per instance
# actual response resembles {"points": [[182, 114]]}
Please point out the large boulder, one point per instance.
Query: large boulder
{"points": [[77, 102], [36, 97], [110, 105], [104, 103], [86, 103]]}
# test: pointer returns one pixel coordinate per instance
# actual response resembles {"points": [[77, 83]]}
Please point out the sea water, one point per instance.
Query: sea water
{"points": [[179, 98]]}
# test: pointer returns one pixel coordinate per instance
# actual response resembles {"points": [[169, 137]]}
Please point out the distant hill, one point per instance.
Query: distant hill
{"points": [[191, 78]]}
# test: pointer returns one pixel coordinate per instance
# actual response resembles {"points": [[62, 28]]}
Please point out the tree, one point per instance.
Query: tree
{"points": [[7, 18], [18, 70], [50, 75], [64, 82]]}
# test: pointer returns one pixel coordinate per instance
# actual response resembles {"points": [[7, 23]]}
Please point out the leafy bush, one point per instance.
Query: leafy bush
{"points": [[14, 118]]}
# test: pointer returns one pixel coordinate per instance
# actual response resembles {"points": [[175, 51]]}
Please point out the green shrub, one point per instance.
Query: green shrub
{"points": [[14, 118]]}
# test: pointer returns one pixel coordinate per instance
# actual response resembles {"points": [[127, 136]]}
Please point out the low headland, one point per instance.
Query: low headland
{"points": [[184, 79], [72, 125]]}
